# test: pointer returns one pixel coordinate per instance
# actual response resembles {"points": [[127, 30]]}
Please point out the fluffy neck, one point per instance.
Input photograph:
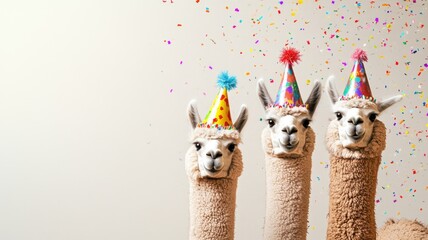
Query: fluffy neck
{"points": [[212, 201], [287, 191], [353, 179]]}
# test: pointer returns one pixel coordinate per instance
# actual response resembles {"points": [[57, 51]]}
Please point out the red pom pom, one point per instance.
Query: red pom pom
{"points": [[359, 54], [290, 56]]}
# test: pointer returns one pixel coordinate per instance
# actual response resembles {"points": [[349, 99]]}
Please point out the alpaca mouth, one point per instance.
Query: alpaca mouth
{"points": [[289, 146], [214, 171], [356, 137]]}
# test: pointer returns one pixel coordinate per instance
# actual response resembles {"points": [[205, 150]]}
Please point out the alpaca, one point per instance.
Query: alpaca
{"points": [[402, 230], [213, 164], [355, 141], [288, 142]]}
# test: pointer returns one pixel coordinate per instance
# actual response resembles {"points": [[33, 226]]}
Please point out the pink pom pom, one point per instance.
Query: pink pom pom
{"points": [[359, 54], [290, 56]]}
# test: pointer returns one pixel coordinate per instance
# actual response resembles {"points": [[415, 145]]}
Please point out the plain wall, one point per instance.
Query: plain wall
{"points": [[93, 97]]}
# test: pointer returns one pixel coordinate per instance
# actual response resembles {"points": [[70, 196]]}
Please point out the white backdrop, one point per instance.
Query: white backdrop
{"points": [[93, 128]]}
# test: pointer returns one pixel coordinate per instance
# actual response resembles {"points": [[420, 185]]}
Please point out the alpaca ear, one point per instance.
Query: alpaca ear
{"points": [[314, 98], [242, 118], [264, 94], [388, 102], [331, 89], [192, 111]]}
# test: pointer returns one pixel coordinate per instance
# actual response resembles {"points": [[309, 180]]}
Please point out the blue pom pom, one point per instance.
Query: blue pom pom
{"points": [[226, 81]]}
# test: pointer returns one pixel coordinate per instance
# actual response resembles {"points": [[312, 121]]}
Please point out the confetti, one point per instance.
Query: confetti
{"points": [[394, 35]]}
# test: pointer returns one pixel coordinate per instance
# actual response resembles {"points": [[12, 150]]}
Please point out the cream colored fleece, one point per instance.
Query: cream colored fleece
{"points": [[287, 191], [402, 230], [353, 179], [212, 201]]}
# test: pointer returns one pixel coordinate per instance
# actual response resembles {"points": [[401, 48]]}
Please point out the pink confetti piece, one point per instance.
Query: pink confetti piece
{"points": [[170, 90], [236, 9]]}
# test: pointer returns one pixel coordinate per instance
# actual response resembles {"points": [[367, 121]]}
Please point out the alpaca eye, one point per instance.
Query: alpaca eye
{"points": [[271, 122], [372, 117], [231, 147], [197, 145], [306, 122], [339, 115]]}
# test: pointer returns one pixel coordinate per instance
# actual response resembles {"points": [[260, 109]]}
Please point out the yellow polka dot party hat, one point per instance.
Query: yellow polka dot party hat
{"points": [[219, 114]]}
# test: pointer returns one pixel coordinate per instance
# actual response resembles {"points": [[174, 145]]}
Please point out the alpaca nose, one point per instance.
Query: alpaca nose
{"points": [[289, 130], [355, 121], [215, 154]]}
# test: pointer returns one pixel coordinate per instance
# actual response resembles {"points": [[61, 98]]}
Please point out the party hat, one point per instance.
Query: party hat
{"points": [[288, 93], [219, 114], [358, 84]]}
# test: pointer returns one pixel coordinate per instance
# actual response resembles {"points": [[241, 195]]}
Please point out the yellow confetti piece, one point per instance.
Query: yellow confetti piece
{"points": [[300, 1], [308, 81], [247, 73]]}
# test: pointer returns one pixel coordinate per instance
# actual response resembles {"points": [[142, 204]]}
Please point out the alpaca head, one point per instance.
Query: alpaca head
{"points": [[288, 126], [215, 148], [356, 117]]}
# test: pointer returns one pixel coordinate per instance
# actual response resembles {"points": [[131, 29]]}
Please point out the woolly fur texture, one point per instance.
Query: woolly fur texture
{"points": [[212, 201], [214, 133], [353, 179], [283, 111], [288, 189], [357, 103], [402, 230]]}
